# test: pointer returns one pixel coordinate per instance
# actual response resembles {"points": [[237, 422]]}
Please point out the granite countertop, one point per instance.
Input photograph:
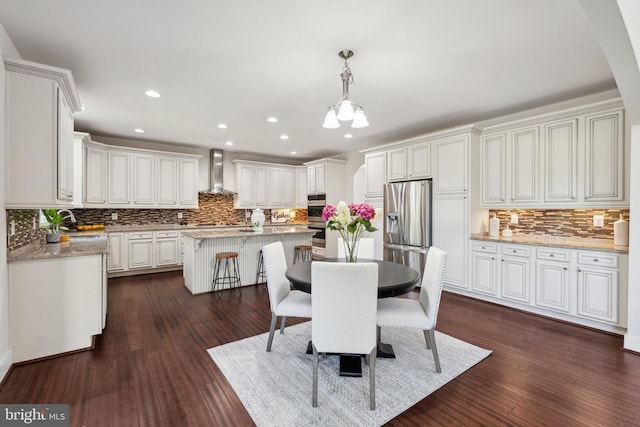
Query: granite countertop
{"points": [[82, 245], [155, 227], [237, 232], [554, 241]]}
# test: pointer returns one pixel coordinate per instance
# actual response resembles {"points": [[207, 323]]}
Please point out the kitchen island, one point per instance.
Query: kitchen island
{"points": [[201, 246]]}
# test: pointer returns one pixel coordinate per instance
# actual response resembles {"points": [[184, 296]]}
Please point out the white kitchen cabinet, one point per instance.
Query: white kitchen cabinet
{"points": [[245, 183], [140, 250], [167, 249], [599, 285], [301, 187], [118, 178], [263, 187], [515, 273], [289, 182], [375, 171], [55, 305], [187, 182], [493, 166], [451, 234], [419, 161], [39, 105], [524, 174], [560, 161], [327, 176], [317, 178], [95, 175], [397, 164], [451, 165], [484, 272], [604, 157], [276, 188], [167, 180], [143, 179], [117, 256], [554, 287]]}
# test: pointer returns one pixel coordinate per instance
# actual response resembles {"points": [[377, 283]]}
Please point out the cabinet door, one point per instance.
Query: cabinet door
{"points": [[493, 163], [116, 258], [301, 188], [375, 167], [167, 181], [552, 285], [245, 184], [483, 273], [311, 179], [276, 188], [524, 166], [95, 175], [143, 179], [604, 157], [167, 251], [419, 161], [188, 182], [560, 161], [321, 178], [515, 279], [289, 186], [118, 178], [397, 164], [140, 253], [65, 149], [262, 185], [452, 165], [450, 231], [598, 293]]}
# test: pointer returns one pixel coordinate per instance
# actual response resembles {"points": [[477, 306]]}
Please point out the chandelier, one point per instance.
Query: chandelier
{"points": [[345, 109]]}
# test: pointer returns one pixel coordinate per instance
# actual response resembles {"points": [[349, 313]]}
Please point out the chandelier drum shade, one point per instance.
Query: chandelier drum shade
{"points": [[345, 109]]}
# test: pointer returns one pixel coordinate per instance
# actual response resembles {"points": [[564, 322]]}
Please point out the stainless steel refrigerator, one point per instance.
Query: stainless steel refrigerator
{"points": [[407, 223]]}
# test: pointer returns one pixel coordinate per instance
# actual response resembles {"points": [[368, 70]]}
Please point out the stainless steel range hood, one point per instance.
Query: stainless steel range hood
{"points": [[215, 173]]}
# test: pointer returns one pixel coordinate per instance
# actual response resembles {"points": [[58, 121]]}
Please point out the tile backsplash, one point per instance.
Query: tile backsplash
{"points": [[560, 222], [213, 209]]}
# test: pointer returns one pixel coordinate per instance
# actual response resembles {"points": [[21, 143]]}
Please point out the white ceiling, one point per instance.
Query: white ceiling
{"points": [[419, 65]]}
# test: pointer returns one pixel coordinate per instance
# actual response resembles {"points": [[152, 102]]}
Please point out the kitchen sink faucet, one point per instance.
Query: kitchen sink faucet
{"points": [[73, 218]]}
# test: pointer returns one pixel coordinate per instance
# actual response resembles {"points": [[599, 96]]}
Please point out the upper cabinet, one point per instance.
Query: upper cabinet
{"points": [[375, 170], [565, 160], [317, 178], [40, 103], [326, 176], [134, 178], [409, 163], [452, 165], [269, 185]]}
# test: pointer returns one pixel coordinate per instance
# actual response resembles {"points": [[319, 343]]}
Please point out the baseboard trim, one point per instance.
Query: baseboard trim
{"points": [[632, 343]]}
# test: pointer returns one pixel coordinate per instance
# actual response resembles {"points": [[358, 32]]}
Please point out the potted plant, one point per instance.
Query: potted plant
{"points": [[54, 219]]}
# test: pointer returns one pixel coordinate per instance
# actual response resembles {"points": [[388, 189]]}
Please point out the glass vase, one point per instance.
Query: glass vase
{"points": [[350, 242]]}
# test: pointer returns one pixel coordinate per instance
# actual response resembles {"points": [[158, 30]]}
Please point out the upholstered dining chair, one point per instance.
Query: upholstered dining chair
{"points": [[365, 248], [423, 312], [344, 315], [282, 300]]}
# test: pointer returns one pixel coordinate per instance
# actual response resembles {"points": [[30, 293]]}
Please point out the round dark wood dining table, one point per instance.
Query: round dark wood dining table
{"points": [[393, 279]]}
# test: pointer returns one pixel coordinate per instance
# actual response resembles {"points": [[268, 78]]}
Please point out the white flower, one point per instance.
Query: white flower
{"points": [[343, 216]]}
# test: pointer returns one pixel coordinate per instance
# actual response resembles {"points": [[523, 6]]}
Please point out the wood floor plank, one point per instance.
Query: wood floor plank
{"points": [[150, 366]]}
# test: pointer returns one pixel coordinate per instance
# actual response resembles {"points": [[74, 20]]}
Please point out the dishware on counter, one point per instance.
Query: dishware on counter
{"points": [[507, 233], [494, 226], [257, 220]]}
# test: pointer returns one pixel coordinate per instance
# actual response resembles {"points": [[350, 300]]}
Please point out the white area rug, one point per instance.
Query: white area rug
{"points": [[275, 387]]}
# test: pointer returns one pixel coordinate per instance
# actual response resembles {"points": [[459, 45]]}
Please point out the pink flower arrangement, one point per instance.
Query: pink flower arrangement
{"points": [[350, 221]]}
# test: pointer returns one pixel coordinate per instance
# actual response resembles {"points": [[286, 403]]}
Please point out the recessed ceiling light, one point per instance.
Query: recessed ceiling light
{"points": [[152, 93], [228, 143], [294, 152], [138, 130], [222, 126], [283, 136], [348, 135], [272, 119]]}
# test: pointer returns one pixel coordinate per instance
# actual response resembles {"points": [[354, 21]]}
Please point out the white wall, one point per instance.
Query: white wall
{"points": [[7, 49]]}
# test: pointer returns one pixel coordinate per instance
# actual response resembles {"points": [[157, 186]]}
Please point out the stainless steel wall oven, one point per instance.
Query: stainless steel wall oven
{"points": [[315, 205]]}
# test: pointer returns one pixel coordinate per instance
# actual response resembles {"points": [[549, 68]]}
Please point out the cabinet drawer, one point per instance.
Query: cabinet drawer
{"points": [[554, 254], [140, 235], [161, 234], [516, 250], [598, 259], [491, 248]]}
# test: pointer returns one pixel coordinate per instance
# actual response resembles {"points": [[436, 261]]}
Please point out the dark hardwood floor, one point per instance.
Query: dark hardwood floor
{"points": [[150, 367]]}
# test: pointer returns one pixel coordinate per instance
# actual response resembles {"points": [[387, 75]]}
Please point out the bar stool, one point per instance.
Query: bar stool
{"points": [[261, 275], [228, 277], [302, 253]]}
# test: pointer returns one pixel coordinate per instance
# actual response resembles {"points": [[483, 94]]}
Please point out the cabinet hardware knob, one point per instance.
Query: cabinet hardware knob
{"points": [[564, 268], [551, 255], [514, 251], [502, 200], [586, 197], [493, 259], [579, 271], [595, 260], [483, 247]]}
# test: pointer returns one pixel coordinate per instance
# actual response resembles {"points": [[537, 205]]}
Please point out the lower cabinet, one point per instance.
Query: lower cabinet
{"points": [[144, 250], [580, 286]]}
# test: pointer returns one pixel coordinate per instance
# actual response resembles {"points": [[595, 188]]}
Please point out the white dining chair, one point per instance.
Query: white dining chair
{"points": [[423, 312], [365, 248], [344, 315], [282, 300]]}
